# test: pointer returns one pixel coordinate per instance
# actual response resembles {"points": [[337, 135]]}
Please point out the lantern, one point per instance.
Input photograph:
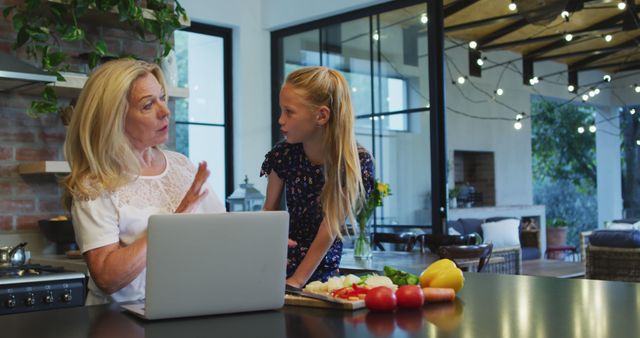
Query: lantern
{"points": [[246, 198]]}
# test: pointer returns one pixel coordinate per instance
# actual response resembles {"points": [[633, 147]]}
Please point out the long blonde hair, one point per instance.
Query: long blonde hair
{"points": [[343, 193], [98, 151]]}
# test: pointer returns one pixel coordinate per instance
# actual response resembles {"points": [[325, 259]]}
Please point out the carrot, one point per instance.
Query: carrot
{"points": [[438, 294]]}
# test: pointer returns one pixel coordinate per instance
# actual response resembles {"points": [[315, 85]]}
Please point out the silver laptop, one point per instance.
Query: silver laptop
{"points": [[202, 264]]}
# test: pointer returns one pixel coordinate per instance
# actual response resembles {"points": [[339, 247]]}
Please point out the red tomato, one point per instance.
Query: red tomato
{"points": [[380, 298], [410, 297]]}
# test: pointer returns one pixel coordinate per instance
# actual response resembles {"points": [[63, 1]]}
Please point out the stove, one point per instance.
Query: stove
{"points": [[35, 287]]}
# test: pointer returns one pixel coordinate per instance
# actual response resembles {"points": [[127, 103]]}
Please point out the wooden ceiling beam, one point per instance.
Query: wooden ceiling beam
{"points": [[576, 34], [599, 56], [483, 22], [457, 6], [600, 52], [501, 32]]}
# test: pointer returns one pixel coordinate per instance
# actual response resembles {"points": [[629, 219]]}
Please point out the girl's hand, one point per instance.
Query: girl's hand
{"points": [[196, 193], [291, 243]]}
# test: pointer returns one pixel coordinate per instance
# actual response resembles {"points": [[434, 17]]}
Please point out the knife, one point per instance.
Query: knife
{"points": [[299, 292]]}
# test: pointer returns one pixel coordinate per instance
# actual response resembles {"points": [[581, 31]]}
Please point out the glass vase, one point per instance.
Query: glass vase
{"points": [[362, 245]]}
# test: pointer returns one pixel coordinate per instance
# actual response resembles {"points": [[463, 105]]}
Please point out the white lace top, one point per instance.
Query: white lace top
{"points": [[122, 216]]}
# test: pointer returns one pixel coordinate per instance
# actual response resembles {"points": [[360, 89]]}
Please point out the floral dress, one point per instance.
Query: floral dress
{"points": [[303, 182]]}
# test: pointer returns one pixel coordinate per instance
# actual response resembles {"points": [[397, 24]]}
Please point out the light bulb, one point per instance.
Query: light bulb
{"points": [[424, 18], [473, 45], [565, 15], [568, 37], [592, 93], [637, 88], [638, 142], [597, 91], [632, 111], [517, 125], [461, 79], [513, 7], [571, 88], [580, 130], [519, 117], [585, 97], [622, 5], [608, 38], [480, 62], [592, 129], [607, 78], [499, 91], [376, 36]]}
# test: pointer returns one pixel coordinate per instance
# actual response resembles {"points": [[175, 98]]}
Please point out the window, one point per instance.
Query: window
{"points": [[382, 52], [203, 121]]}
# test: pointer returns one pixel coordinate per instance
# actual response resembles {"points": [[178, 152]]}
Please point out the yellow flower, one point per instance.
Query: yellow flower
{"points": [[383, 188]]}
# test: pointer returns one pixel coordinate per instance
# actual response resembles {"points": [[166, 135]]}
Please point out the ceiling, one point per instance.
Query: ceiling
{"points": [[493, 26]]}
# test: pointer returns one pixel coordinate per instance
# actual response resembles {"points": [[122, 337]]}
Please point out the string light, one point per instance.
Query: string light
{"points": [[473, 44], [513, 6], [622, 5], [580, 130], [636, 88], [596, 91], [499, 91], [585, 97], [424, 18], [608, 38], [632, 111], [480, 62], [461, 79], [568, 37], [638, 142], [592, 93], [517, 125], [534, 80], [607, 78], [571, 88], [565, 15], [376, 36], [592, 129]]}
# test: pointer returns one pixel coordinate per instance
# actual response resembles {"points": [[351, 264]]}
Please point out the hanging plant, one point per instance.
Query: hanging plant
{"points": [[43, 25]]}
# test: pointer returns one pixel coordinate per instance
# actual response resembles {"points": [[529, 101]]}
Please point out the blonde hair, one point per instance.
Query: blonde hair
{"points": [[98, 151], [343, 192]]}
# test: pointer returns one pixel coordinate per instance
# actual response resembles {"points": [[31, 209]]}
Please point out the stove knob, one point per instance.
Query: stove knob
{"points": [[11, 302], [66, 297], [48, 299], [30, 300]]}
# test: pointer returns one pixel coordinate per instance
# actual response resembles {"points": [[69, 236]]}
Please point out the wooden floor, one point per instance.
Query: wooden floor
{"points": [[553, 268]]}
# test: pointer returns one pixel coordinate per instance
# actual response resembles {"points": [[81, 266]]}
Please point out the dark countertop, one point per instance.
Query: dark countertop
{"points": [[489, 306]]}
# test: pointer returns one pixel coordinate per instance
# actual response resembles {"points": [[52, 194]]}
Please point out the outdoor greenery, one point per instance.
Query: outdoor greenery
{"points": [[630, 130], [564, 164], [43, 27]]}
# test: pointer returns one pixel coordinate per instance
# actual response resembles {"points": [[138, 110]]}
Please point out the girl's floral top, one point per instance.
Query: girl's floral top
{"points": [[303, 182]]}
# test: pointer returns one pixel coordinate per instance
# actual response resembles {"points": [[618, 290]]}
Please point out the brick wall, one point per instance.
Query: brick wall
{"points": [[24, 199]]}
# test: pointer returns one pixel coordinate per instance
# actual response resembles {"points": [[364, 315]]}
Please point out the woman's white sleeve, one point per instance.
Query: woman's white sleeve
{"points": [[95, 223]]}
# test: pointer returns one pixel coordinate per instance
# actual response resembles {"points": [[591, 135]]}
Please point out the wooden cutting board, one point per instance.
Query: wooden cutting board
{"points": [[311, 302]]}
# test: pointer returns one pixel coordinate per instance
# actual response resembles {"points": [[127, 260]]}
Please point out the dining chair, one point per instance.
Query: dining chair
{"points": [[407, 239], [481, 252]]}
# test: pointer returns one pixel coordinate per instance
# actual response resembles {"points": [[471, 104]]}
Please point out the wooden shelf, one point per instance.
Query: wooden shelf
{"points": [[97, 17], [44, 167], [74, 82]]}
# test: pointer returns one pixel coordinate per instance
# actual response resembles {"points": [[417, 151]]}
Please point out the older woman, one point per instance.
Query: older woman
{"points": [[120, 176]]}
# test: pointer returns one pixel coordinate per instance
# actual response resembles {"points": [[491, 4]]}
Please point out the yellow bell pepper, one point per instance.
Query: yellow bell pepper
{"points": [[442, 274]]}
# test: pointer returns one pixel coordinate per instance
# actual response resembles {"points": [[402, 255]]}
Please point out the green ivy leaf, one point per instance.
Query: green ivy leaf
{"points": [[7, 11], [101, 47], [93, 60], [22, 38], [56, 58], [18, 22]]}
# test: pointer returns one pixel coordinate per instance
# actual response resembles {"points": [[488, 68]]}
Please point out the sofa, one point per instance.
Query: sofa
{"points": [[612, 254], [512, 254]]}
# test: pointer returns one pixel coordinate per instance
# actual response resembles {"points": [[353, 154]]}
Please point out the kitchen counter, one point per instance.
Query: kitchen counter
{"points": [[70, 264], [489, 306]]}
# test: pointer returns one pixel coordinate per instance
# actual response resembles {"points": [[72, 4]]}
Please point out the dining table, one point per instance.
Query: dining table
{"points": [[489, 305]]}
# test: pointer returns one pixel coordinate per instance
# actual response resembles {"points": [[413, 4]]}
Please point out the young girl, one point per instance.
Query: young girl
{"points": [[325, 173]]}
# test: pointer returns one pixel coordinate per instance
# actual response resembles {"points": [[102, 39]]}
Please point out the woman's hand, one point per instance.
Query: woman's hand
{"points": [[196, 193]]}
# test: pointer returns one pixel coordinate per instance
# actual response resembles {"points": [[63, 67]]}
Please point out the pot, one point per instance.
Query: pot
{"points": [[13, 256]]}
